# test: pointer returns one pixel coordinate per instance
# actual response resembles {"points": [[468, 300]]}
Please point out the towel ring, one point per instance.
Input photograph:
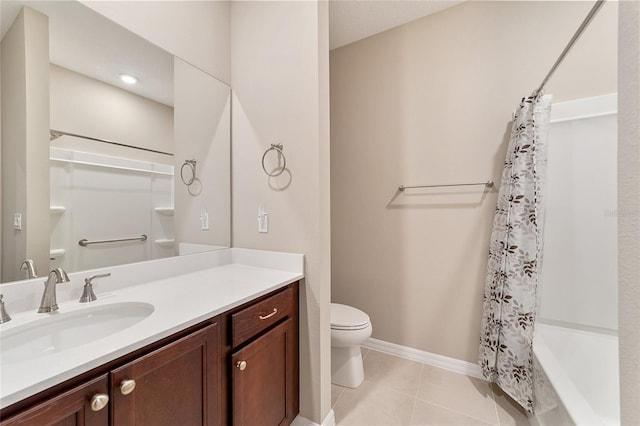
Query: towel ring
{"points": [[192, 165], [278, 148]]}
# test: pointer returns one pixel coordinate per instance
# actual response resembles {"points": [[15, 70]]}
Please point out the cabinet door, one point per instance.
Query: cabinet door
{"points": [[175, 385], [265, 378], [69, 408]]}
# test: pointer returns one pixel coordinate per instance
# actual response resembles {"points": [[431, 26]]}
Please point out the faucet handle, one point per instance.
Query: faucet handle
{"points": [[87, 292], [4, 316]]}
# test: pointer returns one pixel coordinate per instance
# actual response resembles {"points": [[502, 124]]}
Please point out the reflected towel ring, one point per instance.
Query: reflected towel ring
{"points": [[278, 148], [192, 166]]}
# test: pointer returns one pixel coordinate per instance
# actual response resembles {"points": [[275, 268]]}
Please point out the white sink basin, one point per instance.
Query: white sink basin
{"points": [[65, 330]]}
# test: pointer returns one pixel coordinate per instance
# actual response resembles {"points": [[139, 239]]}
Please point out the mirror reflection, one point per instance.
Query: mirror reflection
{"points": [[97, 125]]}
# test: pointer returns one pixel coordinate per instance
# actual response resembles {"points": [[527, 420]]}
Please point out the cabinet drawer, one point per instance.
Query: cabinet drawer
{"points": [[252, 320]]}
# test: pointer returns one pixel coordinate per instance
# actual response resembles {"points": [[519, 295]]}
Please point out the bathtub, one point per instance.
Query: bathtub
{"points": [[575, 377]]}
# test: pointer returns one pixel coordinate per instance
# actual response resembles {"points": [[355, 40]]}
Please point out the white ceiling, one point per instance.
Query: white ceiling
{"points": [[86, 42], [353, 20]]}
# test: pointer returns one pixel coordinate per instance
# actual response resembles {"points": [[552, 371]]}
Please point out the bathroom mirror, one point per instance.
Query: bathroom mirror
{"points": [[98, 171]]}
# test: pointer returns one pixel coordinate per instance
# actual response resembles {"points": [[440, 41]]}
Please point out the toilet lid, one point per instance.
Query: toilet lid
{"points": [[343, 316]]}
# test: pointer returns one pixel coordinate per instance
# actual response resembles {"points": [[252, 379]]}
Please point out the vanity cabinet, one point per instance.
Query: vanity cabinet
{"points": [[239, 368], [177, 384], [264, 362], [264, 391], [69, 408]]}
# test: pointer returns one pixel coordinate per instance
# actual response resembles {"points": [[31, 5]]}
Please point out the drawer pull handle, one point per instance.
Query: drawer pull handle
{"points": [[275, 311], [127, 386], [99, 401], [241, 365]]}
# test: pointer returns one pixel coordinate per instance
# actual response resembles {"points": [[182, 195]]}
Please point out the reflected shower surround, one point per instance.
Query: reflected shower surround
{"points": [[515, 250], [99, 197]]}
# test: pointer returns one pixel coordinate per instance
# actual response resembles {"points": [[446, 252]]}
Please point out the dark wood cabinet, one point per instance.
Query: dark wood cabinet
{"points": [[174, 385], [264, 391], [70, 408], [195, 377], [264, 361]]}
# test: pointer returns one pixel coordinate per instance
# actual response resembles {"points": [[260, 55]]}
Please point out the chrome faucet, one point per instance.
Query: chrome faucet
{"points": [[30, 267], [48, 303], [4, 316]]}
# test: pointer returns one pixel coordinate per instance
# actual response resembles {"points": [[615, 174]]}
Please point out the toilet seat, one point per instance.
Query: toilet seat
{"points": [[345, 317]]}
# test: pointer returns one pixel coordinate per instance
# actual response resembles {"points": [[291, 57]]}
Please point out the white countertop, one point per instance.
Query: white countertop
{"points": [[179, 302]]}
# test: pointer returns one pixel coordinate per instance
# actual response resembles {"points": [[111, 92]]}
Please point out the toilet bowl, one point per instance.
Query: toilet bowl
{"points": [[349, 328]]}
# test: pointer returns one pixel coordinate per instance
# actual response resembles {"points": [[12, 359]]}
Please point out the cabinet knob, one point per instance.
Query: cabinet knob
{"points": [[241, 365], [99, 401], [127, 386]]}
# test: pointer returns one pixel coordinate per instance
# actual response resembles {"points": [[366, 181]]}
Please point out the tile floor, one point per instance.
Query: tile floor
{"points": [[397, 391]]}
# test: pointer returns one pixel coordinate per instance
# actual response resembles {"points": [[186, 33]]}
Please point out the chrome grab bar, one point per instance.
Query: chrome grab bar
{"points": [[84, 242]]}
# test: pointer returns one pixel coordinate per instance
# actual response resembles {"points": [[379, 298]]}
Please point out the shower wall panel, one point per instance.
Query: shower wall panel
{"points": [[580, 248]]}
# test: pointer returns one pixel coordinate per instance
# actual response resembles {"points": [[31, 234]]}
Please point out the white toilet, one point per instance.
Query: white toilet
{"points": [[349, 328]]}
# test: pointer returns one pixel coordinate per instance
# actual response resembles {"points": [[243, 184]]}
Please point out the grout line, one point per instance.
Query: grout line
{"points": [[366, 353], [420, 380], [415, 399], [413, 410], [455, 411], [339, 396], [495, 404]]}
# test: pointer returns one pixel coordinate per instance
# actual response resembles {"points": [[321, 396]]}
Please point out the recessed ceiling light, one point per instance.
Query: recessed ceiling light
{"points": [[129, 79]]}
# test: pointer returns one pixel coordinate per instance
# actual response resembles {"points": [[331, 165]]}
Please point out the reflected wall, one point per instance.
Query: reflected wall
{"points": [[80, 56]]}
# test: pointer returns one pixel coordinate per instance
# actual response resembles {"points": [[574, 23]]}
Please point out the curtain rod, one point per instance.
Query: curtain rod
{"points": [[587, 20], [55, 134]]}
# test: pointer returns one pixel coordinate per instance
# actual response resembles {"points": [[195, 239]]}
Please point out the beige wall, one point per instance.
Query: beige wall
{"points": [[202, 132], [279, 67], [426, 103], [82, 105], [25, 147], [629, 211], [196, 31]]}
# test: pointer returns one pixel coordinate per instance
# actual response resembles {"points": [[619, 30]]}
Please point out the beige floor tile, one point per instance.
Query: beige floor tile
{"points": [[466, 395], [510, 413], [373, 405], [425, 414], [336, 392], [390, 371]]}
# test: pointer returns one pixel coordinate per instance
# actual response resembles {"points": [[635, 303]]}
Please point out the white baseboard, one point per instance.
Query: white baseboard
{"points": [[440, 361], [330, 420]]}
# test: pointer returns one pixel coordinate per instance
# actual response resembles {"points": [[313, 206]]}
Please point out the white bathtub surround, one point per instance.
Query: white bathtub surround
{"points": [[515, 256], [580, 268], [576, 343], [183, 290], [577, 377]]}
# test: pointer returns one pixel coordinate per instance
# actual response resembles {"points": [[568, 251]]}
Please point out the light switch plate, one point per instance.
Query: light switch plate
{"points": [[204, 219], [17, 221], [263, 220]]}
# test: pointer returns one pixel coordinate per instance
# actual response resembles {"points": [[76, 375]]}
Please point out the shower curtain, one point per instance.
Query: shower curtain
{"points": [[515, 256]]}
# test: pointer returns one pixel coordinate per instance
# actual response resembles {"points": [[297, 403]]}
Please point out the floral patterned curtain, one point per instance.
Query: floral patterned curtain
{"points": [[515, 256]]}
